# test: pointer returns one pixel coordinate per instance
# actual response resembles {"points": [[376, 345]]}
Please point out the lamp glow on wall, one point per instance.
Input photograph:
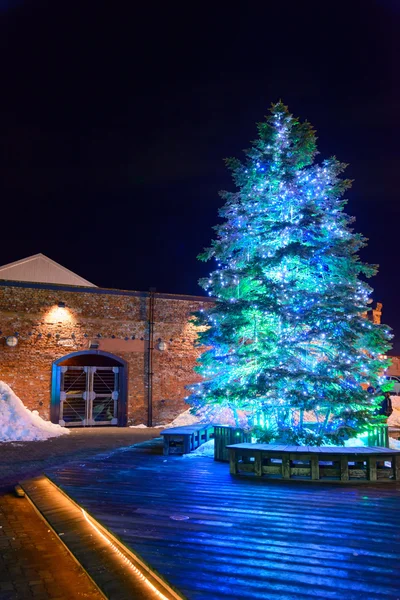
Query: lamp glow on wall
{"points": [[59, 313]]}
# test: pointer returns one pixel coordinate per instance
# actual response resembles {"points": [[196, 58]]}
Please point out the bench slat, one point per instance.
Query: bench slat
{"points": [[186, 429], [350, 450], [294, 461], [182, 440]]}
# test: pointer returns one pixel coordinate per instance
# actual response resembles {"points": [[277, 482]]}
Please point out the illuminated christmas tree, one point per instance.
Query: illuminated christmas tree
{"points": [[288, 339]]}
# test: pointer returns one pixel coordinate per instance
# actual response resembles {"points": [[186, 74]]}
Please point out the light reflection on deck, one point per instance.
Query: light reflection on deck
{"points": [[245, 538]]}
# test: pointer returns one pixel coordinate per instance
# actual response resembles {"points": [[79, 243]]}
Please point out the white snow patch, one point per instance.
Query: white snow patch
{"points": [[394, 444], [19, 424], [206, 449], [185, 418], [142, 426], [356, 443]]}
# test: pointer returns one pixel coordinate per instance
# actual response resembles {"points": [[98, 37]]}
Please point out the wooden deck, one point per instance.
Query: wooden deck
{"points": [[217, 536], [116, 572]]}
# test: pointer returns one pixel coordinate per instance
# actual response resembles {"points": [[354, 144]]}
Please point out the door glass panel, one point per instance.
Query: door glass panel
{"points": [[74, 411], [89, 395], [103, 409], [105, 386], [74, 387]]}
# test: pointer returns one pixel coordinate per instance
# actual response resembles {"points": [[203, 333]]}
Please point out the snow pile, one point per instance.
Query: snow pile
{"points": [[185, 418], [213, 415], [206, 449], [356, 442], [19, 424]]}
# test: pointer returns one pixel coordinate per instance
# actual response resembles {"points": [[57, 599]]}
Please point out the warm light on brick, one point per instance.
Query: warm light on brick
{"points": [[116, 324], [58, 314]]}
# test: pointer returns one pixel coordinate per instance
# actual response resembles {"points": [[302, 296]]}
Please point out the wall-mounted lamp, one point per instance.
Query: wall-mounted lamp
{"points": [[11, 341], [162, 346], [94, 344], [61, 305]]}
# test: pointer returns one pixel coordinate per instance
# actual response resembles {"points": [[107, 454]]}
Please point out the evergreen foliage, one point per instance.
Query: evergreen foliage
{"points": [[288, 339]]}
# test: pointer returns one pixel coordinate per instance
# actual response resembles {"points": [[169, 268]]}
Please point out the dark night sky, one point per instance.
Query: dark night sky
{"points": [[115, 121]]}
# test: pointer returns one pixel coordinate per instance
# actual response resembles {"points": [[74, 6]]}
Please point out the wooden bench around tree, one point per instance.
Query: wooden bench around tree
{"points": [[182, 440], [224, 435], [316, 463]]}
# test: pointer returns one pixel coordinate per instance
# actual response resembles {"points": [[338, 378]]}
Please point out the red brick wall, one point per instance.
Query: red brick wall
{"points": [[46, 333], [394, 368]]}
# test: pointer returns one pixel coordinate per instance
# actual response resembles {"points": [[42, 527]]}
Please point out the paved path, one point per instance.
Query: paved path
{"points": [[33, 562], [20, 460]]}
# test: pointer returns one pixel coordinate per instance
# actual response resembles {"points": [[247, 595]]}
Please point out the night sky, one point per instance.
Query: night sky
{"points": [[116, 119]]}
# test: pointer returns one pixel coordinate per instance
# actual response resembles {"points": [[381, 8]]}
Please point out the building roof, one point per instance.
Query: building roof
{"points": [[41, 269], [59, 287]]}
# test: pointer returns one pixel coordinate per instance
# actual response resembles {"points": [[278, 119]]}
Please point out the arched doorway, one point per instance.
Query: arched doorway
{"points": [[89, 388]]}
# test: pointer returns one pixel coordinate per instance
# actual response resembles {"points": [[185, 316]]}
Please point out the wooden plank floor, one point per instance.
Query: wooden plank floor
{"points": [[213, 535]]}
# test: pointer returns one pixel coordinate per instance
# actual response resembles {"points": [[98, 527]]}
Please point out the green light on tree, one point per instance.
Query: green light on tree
{"points": [[288, 338]]}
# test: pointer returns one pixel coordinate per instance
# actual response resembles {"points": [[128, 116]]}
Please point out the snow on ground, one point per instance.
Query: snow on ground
{"points": [[206, 449], [394, 444], [185, 418], [207, 414], [19, 424], [355, 442]]}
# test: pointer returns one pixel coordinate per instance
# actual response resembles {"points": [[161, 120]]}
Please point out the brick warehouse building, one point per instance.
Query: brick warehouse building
{"points": [[83, 355]]}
